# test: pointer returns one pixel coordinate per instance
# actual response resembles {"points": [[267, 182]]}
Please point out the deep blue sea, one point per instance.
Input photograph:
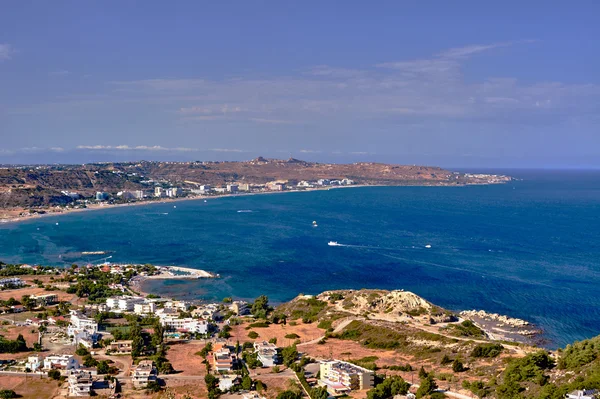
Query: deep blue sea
{"points": [[527, 249]]}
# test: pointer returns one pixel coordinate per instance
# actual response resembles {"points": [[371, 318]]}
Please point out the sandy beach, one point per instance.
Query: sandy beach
{"points": [[10, 217]]}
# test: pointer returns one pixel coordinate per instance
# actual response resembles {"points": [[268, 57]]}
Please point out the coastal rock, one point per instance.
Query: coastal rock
{"points": [[509, 321]]}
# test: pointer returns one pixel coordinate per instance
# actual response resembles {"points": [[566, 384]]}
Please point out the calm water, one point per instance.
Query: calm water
{"points": [[528, 249]]}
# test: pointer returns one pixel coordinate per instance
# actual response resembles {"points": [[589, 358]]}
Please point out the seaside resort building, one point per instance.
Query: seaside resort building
{"points": [[342, 377]]}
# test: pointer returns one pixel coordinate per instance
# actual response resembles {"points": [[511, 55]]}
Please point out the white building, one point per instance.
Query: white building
{"points": [[583, 394], [267, 353], [144, 308], [143, 374], [323, 182], [187, 324], [33, 363], [80, 383], [123, 303], [342, 377], [209, 312], [172, 192], [63, 362], [81, 323], [239, 308], [158, 192], [205, 187], [13, 281], [232, 188], [178, 305]]}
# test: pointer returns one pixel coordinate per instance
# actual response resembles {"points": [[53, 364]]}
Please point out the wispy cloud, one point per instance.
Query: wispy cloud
{"points": [[134, 148], [226, 150], [401, 91], [271, 121], [472, 49], [6, 51]]}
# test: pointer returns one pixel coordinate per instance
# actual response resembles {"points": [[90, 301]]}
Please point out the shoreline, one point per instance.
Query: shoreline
{"points": [[62, 212]]}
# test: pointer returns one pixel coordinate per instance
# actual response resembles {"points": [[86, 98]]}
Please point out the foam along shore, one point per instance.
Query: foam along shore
{"points": [[177, 272]]}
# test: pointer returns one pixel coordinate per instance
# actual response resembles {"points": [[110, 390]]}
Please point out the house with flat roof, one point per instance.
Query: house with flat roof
{"points": [[267, 353], [123, 303], [11, 282], [143, 373], [81, 323], [341, 377], [223, 359], [120, 347], [187, 324], [80, 383], [44, 300], [144, 308], [61, 362]]}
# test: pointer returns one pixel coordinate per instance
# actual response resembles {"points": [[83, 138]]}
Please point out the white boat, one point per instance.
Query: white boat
{"points": [[314, 223], [428, 246], [334, 244]]}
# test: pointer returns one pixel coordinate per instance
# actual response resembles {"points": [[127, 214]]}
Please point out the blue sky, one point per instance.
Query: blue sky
{"points": [[509, 84]]}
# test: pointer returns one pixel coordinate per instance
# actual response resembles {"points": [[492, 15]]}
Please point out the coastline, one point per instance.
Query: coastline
{"points": [[96, 207]]}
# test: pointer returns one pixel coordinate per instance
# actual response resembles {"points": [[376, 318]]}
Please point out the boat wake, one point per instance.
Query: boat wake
{"points": [[244, 211]]}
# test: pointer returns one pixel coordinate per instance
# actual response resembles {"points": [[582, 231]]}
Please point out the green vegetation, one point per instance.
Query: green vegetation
{"points": [[465, 329], [427, 386], [8, 394], [289, 354], [307, 309], [54, 374], [367, 362], [375, 337], [406, 367], [579, 354], [487, 350], [252, 335], [292, 336], [251, 360], [289, 395], [477, 387], [388, 388], [260, 307], [13, 346], [260, 324]]}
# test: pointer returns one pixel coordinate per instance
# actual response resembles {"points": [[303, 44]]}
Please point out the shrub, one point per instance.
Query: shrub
{"points": [[253, 335], [487, 350]]}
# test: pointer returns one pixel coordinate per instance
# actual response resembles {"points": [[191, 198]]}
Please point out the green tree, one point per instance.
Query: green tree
{"points": [[54, 374], [260, 307], [427, 386], [137, 344], [289, 355], [319, 393], [289, 395], [247, 383], [102, 367], [7, 394], [153, 386], [457, 366]]}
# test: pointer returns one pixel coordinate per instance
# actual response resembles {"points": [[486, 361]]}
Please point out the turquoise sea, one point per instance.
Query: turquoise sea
{"points": [[527, 249]]}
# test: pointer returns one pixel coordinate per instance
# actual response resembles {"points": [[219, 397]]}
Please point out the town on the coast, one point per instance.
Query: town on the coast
{"points": [[32, 190], [90, 330]]}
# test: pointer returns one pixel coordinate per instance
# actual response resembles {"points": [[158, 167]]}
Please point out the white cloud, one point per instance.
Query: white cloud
{"points": [[6, 52], [133, 148], [226, 150], [271, 121], [402, 92]]}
